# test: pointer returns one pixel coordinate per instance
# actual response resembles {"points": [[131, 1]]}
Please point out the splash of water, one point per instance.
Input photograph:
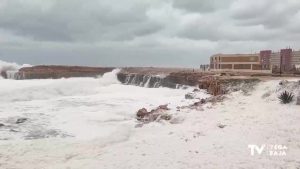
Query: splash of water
{"points": [[10, 69], [110, 78]]}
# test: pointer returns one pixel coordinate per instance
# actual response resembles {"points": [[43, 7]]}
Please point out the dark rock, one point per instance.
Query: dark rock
{"points": [[2, 125], [142, 113], [221, 126], [196, 90], [21, 120], [283, 82], [190, 96], [155, 114]]}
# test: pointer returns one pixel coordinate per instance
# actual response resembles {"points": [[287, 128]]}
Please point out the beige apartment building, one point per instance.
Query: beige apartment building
{"points": [[236, 62], [265, 61]]}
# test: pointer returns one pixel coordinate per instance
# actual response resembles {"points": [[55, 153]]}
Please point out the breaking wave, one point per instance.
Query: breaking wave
{"points": [[9, 70]]}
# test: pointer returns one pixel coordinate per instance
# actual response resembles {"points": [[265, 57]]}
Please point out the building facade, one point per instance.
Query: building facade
{"points": [[265, 61], [235, 62], [265, 56], [289, 59]]}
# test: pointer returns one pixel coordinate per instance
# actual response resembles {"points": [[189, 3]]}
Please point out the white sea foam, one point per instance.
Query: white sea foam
{"points": [[83, 108], [90, 123]]}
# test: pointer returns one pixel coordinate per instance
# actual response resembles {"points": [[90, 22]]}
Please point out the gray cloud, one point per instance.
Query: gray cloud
{"points": [[270, 13], [143, 33], [76, 20], [201, 5]]}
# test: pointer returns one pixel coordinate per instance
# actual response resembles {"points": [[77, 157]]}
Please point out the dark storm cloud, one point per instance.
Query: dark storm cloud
{"points": [[143, 32], [76, 20]]}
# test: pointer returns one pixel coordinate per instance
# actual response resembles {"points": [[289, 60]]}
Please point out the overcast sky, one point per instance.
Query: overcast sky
{"points": [[143, 32]]}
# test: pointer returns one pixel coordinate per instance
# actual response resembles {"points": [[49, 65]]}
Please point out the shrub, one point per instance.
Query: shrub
{"points": [[286, 97]]}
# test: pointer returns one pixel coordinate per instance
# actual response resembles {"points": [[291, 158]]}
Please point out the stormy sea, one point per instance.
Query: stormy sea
{"points": [[76, 123]]}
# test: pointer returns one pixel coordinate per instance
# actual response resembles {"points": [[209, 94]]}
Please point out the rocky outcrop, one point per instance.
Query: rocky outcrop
{"points": [[215, 84], [160, 77], [144, 80], [185, 78], [171, 80], [219, 85], [55, 72], [160, 113]]}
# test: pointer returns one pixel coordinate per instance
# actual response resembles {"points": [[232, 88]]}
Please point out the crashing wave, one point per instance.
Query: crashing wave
{"points": [[9, 70], [149, 81], [110, 78]]}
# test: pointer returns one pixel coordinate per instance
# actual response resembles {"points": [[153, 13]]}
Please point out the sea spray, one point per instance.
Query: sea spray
{"points": [[10, 69], [110, 78]]}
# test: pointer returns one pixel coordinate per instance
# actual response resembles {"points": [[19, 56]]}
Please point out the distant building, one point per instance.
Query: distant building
{"points": [[289, 59], [264, 61], [236, 62]]}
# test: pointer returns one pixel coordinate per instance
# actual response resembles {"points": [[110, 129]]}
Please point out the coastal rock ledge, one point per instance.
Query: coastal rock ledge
{"points": [[56, 72]]}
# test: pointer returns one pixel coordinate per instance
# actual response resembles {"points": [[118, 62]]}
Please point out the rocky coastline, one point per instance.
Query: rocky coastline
{"points": [[214, 83]]}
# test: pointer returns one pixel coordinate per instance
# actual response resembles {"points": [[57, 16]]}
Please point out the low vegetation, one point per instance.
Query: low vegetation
{"points": [[286, 97]]}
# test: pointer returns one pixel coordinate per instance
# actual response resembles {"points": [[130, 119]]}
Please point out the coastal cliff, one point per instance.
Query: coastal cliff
{"points": [[56, 72], [214, 83]]}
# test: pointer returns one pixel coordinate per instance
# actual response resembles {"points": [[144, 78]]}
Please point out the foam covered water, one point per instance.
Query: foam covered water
{"points": [[80, 108]]}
